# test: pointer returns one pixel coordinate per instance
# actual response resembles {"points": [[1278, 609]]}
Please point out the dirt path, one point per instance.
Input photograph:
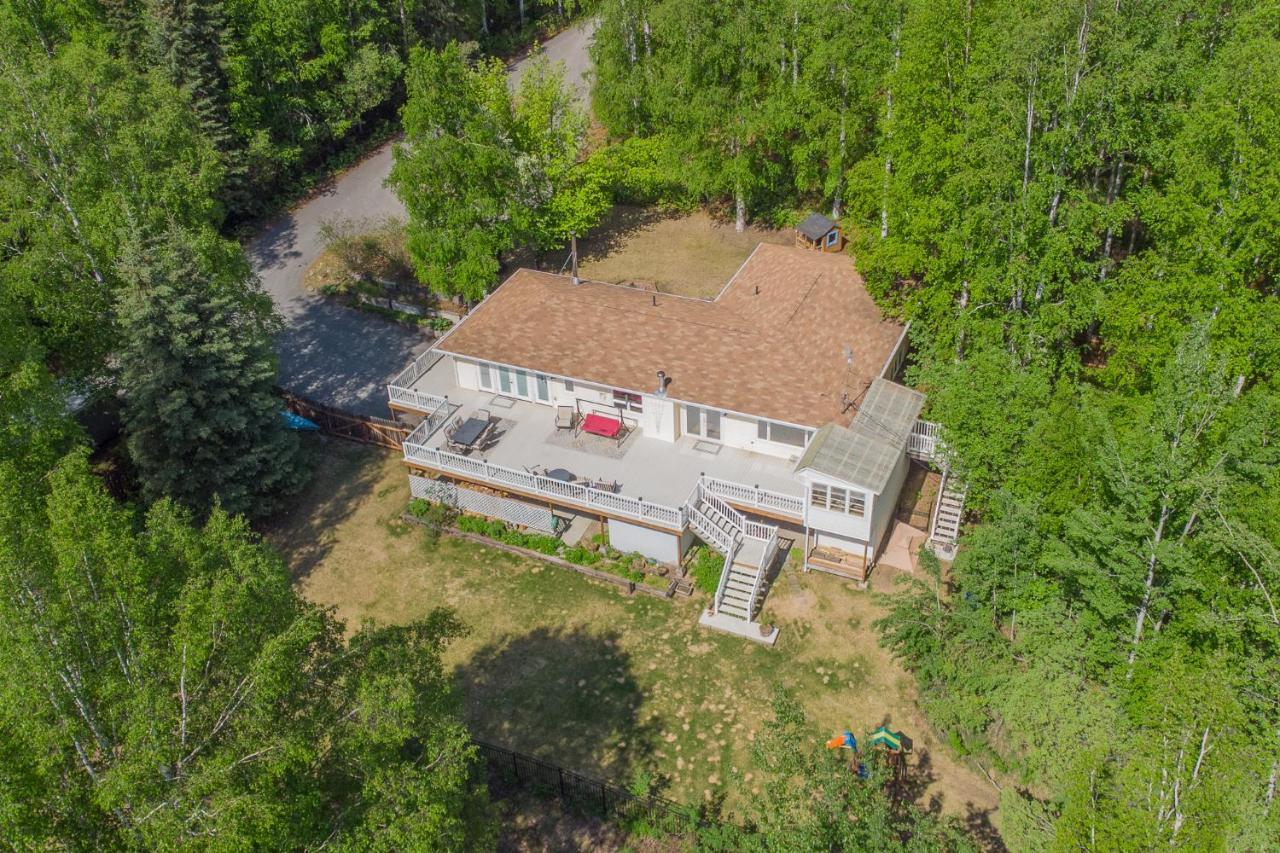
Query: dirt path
{"points": [[329, 352]]}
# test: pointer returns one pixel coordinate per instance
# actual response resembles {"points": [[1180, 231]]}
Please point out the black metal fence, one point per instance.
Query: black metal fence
{"points": [[510, 770]]}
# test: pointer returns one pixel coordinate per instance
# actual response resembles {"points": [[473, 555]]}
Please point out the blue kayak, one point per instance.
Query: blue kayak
{"points": [[292, 421]]}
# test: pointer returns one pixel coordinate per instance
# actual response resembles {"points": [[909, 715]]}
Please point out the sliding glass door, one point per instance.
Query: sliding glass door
{"points": [[702, 422]]}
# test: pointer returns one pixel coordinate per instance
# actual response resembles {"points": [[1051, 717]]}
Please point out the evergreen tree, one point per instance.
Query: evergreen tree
{"points": [[188, 39], [198, 367]]}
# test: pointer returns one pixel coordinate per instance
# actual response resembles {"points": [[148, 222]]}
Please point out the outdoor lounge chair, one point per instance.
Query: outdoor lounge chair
{"points": [[565, 417]]}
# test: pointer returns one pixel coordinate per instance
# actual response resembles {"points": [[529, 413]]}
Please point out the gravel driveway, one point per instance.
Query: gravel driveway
{"points": [[329, 352]]}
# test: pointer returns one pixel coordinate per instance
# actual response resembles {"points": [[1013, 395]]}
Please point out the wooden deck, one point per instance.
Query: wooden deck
{"points": [[838, 562]]}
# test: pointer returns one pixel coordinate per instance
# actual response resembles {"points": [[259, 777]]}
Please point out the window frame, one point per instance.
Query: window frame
{"points": [[628, 401], [839, 499], [765, 432]]}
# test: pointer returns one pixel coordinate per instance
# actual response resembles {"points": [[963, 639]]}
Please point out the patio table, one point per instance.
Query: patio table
{"points": [[600, 425], [470, 431]]}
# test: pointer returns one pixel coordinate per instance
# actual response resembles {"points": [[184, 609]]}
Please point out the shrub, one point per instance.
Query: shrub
{"points": [[440, 324], [542, 543], [473, 524], [706, 566], [656, 580], [434, 513], [581, 556]]}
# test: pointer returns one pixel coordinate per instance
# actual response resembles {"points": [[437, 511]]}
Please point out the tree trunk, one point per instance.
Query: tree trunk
{"points": [[739, 210], [1148, 586], [520, 6], [888, 122], [1113, 188], [841, 146]]}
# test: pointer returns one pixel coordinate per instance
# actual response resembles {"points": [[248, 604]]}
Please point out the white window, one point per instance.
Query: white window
{"points": [[837, 499], [568, 385], [544, 390], [832, 236], [627, 401], [486, 378], [781, 433]]}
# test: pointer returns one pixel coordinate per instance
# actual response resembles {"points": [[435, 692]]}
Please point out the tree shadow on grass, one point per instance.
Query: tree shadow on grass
{"points": [[978, 822], [619, 225], [343, 476], [566, 696]]}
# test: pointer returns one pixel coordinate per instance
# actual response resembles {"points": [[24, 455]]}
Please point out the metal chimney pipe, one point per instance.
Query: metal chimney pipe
{"points": [[662, 383]]}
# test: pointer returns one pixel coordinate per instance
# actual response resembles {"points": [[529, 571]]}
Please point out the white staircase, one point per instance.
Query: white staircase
{"points": [[944, 531], [748, 547]]}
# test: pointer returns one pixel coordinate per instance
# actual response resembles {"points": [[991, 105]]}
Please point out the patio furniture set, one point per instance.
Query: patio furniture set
{"points": [[564, 475], [478, 431]]}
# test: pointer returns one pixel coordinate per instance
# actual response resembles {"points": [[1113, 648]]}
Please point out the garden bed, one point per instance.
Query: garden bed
{"points": [[613, 567]]}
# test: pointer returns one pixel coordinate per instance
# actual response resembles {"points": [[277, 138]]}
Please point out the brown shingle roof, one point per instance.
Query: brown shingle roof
{"points": [[772, 344]]}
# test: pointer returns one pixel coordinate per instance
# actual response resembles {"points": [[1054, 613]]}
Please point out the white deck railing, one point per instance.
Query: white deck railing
{"points": [[669, 517], [923, 441], [756, 497], [401, 389]]}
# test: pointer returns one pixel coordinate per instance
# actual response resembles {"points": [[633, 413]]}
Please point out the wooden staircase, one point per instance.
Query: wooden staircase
{"points": [[948, 512], [748, 548]]}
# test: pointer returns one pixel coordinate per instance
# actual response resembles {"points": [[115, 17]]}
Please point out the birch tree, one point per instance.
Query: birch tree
{"points": [[163, 686]]}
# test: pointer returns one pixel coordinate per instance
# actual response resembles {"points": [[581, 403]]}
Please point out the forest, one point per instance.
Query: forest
{"points": [[1076, 206]]}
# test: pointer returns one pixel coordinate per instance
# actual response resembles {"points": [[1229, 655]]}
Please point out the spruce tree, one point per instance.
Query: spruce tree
{"points": [[188, 39], [198, 367]]}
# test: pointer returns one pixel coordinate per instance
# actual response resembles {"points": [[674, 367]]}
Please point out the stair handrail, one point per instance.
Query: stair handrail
{"points": [[766, 560], [724, 578], [708, 530], [707, 496], [937, 503]]}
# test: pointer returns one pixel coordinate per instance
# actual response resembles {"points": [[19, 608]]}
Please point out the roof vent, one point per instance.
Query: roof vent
{"points": [[662, 383]]}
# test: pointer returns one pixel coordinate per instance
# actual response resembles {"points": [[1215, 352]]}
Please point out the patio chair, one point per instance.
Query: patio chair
{"points": [[565, 417], [483, 414]]}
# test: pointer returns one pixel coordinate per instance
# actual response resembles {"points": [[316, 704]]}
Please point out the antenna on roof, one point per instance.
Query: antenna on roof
{"points": [[573, 253], [848, 355]]}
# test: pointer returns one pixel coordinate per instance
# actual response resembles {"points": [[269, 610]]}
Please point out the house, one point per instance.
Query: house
{"points": [[765, 415], [819, 233]]}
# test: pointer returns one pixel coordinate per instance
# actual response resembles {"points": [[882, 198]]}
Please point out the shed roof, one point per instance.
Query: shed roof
{"points": [[865, 453], [789, 336], [815, 226]]}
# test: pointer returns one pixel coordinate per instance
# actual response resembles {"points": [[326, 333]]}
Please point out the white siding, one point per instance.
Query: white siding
{"points": [[852, 546], [659, 419], [886, 502], [654, 544], [468, 374]]}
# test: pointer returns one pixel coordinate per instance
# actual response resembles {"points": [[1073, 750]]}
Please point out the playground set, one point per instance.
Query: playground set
{"points": [[894, 746]]}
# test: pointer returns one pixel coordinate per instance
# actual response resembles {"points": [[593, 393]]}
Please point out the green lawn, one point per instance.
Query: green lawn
{"points": [[581, 674]]}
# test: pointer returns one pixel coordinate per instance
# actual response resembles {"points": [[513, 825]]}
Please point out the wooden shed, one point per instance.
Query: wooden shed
{"points": [[819, 233]]}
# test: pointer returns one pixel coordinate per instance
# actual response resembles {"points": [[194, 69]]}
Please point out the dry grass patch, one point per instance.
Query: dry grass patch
{"points": [[690, 254], [582, 675]]}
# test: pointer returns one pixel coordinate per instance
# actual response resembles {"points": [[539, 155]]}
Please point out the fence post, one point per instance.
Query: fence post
{"points": [[560, 773], [604, 799], [515, 766]]}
